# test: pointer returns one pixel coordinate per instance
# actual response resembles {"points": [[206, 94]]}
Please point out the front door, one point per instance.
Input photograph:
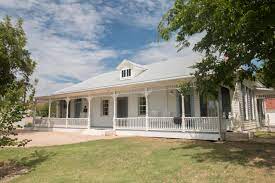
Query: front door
{"points": [[122, 107]]}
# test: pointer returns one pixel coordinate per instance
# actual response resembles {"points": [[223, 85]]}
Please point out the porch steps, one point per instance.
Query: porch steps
{"points": [[99, 132]]}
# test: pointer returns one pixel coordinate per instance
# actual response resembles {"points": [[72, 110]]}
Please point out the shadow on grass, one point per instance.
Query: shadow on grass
{"points": [[15, 167], [239, 153], [35, 158]]}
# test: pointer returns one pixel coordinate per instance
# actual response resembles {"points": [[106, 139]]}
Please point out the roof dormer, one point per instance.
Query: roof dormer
{"points": [[129, 70]]}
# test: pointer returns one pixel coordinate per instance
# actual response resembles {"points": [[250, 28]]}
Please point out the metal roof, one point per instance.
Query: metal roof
{"points": [[154, 72]]}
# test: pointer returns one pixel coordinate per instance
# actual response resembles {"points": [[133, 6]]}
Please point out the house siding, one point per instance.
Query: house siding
{"points": [[196, 99], [237, 104], [97, 119]]}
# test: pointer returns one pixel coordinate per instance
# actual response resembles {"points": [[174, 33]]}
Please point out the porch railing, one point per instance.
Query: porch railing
{"points": [[41, 122], [61, 122], [164, 123], [77, 122], [189, 124], [201, 124], [57, 122], [137, 123]]}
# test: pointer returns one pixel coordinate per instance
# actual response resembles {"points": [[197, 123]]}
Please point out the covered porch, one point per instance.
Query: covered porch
{"points": [[137, 111]]}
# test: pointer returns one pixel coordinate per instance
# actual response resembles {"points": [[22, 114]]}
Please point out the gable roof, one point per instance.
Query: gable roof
{"points": [[128, 62], [158, 71]]}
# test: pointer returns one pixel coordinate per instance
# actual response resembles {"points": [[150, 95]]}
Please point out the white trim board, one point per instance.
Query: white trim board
{"points": [[183, 135]]}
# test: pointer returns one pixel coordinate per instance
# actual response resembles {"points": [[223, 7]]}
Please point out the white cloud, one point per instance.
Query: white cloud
{"points": [[163, 51], [141, 13], [76, 19], [18, 4], [57, 56], [64, 37]]}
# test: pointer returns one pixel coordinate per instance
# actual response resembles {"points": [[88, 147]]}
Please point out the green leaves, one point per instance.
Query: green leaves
{"points": [[16, 91], [15, 60], [185, 88], [244, 30]]}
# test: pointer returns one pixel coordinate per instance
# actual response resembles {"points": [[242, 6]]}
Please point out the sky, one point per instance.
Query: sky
{"points": [[73, 40]]}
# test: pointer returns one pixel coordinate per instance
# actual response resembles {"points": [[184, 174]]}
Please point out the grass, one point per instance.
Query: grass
{"points": [[265, 134], [146, 160]]}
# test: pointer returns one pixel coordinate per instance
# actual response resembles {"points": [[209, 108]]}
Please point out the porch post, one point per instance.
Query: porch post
{"points": [[67, 110], [57, 109], [34, 112], [219, 111], [89, 98], [256, 112], [115, 110], [146, 93], [182, 113], [49, 112]]}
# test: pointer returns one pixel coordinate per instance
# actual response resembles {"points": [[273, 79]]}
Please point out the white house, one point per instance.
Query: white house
{"points": [[143, 100]]}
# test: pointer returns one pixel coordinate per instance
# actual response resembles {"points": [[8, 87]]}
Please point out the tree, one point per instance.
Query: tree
{"points": [[16, 90], [237, 43]]}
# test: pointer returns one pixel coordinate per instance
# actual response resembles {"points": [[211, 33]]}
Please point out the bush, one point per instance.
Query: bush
{"points": [[28, 125]]}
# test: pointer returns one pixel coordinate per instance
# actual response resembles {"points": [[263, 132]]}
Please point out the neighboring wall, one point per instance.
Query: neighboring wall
{"points": [[270, 111]]}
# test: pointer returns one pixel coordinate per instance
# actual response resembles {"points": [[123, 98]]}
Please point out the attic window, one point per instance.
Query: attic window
{"points": [[126, 73]]}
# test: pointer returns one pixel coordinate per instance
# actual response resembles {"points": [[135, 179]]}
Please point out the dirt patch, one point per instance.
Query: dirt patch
{"points": [[264, 140], [39, 139], [10, 169]]}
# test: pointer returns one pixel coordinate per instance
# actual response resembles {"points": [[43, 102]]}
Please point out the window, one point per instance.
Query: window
{"points": [[187, 106], [208, 107], [105, 107], [123, 73], [141, 106], [126, 73]]}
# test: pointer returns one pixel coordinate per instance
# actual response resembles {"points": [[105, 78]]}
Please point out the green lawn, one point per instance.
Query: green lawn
{"points": [[146, 160]]}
